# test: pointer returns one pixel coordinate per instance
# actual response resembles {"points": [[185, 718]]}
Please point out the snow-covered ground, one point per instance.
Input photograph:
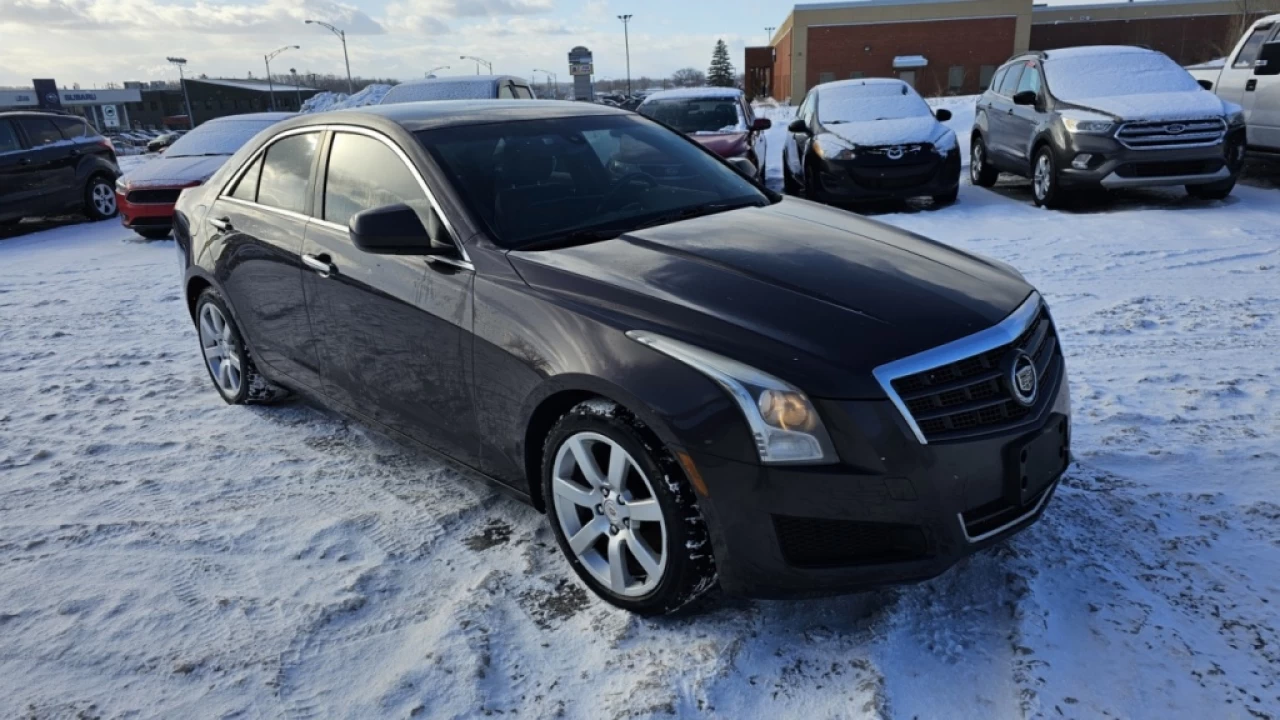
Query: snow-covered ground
{"points": [[165, 555]]}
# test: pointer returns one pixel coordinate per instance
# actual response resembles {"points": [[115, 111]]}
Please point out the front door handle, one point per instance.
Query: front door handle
{"points": [[320, 264], [1251, 85], [24, 161], [221, 223]]}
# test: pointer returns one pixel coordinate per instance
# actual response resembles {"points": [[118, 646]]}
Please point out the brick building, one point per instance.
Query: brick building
{"points": [[954, 46]]}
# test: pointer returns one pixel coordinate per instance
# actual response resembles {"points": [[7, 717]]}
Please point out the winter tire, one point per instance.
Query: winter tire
{"points": [[622, 512], [227, 357], [1045, 190], [99, 198], [981, 172]]}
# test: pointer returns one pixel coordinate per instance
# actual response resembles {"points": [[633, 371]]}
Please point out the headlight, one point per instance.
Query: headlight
{"points": [[784, 424], [835, 152], [1094, 127], [122, 187], [945, 143]]}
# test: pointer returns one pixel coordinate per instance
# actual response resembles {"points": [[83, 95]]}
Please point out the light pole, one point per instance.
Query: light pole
{"points": [[182, 81], [271, 86], [342, 35], [297, 91], [626, 38], [555, 84], [479, 62], [433, 70], [768, 33]]}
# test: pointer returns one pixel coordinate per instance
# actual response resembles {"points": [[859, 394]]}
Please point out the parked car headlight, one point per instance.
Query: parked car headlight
{"points": [[784, 424], [122, 187], [945, 142], [1092, 127], [834, 151]]}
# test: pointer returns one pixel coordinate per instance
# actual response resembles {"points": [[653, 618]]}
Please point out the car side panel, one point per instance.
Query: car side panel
{"points": [[1264, 116]]}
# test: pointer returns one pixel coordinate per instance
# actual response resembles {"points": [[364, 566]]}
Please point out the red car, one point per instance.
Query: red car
{"points": [[719, 119], [146, 194]]}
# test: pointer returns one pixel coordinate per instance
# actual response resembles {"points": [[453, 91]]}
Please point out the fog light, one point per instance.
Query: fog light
{"points": [[1082, 161]]}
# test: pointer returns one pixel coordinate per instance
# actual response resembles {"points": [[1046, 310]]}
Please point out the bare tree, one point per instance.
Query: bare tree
{"points": [[688, 77]]}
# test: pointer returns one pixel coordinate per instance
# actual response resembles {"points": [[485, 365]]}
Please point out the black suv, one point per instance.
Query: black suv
{"points": [[52, 163], [1108, 117]]}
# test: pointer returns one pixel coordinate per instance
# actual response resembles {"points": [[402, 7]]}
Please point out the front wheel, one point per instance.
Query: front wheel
{"points": [[1045, 188], [99, 198], [622, 513], [981, 172]]}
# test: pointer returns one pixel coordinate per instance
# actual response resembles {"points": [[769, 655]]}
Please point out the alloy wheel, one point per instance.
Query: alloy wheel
{"points": [[1043, 176], [609, 514], [220, 351], [975, 163], [104, 199]]}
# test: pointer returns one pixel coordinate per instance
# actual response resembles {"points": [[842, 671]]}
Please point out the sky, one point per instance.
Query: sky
{"points": [[92, 42]]}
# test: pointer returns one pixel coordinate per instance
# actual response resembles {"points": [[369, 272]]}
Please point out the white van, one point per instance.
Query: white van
{"points": [[1250, 77]]}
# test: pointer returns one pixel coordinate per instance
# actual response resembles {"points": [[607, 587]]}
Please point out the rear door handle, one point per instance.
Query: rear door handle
{"points": [[320, 264], [24, 161], [221, 223], [1251, 85]]}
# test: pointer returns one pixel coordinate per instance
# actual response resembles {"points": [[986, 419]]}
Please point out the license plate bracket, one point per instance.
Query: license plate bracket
{"points": [[1035, 463]]}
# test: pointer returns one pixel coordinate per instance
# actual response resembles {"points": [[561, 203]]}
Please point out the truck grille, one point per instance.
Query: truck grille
{"points": [[972, 396], [1165, 135]]}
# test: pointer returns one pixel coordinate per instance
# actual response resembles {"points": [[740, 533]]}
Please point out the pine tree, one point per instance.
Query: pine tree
{"points": [[720, 74]]}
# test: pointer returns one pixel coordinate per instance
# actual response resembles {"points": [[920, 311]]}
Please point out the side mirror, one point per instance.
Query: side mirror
{"points": [[1268, 62], [744, 166], [1206, 84], [798, 126], [1026, 97], [398, 230], [761, 124], [942, 114]]}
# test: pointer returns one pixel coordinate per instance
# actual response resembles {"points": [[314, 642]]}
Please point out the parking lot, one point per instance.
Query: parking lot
{"points": [[165, 555]]}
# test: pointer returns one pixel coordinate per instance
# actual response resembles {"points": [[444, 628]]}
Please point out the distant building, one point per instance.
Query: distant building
{"points": [[954, 46], [164, 106]]}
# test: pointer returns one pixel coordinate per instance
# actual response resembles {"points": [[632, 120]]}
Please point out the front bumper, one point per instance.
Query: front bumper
{"points": [[880, 178], [1116, 166], [892, 511], [144, 216]]}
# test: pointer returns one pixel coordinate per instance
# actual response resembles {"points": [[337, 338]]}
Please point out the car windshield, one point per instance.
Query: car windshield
{"points": [[540, 183], [864, 103], [1078, 76], [221, 137], [698, 116], [448, 89]]}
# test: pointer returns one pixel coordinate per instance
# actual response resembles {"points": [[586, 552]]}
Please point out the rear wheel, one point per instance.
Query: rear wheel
{"points": [[1045, 190], [981, 172], [227, 356], [99, 198], [622, 513]]}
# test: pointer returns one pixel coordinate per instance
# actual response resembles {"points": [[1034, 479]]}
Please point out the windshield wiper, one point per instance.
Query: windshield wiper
{"points": [[697, 211], [578, 237]]}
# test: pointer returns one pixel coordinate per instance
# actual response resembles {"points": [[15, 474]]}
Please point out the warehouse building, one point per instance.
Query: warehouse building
{"points": [[952, 47], [164, 106]]}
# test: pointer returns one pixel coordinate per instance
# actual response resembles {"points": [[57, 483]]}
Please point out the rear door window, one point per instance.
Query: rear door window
{"points": [[72, 128], [247, 187], [40, 131], [364, 174], [8, 137], [286, 172], [1249, 51]]}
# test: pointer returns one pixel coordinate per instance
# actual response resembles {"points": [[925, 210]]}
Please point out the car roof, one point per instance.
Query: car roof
{"points": [[427, 115], [1084, 51], [859, 82]]}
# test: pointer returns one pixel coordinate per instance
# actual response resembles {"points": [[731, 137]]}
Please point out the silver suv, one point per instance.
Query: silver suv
{"points": [[1107, 116]]}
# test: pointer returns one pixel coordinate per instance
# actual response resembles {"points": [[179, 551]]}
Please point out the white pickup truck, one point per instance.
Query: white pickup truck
{"points": [[1250, 77]]}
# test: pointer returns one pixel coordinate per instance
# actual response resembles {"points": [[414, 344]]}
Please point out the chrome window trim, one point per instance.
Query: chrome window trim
{"points": [[993, 337], [357, 130], [1044, 497], [269, 208]]}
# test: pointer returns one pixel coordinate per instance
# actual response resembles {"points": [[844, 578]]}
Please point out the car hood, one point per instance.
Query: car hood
{"points": [[1156, 106], [722, 144], [814, 295], [167, 171], [897, 131]]}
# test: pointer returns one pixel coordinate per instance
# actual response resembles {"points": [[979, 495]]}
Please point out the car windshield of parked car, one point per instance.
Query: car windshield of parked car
{"points": [[541, 183], [443, 89], [222, 137], [1073, 77], [869, 102], [698, 116]]}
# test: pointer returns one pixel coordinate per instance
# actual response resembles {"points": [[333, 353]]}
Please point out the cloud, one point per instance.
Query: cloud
{"points": [[428, 16], [271, 17]]}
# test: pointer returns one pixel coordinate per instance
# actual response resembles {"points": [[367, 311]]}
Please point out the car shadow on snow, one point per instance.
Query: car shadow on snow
{"points": [[1092, 202]]}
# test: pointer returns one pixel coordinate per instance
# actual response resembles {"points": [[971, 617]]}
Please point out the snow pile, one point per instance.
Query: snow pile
{"points": [[479, 87], [326, 101], [1077, 75], [224, 135]]}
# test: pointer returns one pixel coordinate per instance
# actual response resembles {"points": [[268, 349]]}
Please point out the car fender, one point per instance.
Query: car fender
{"points": [[91, 165]]}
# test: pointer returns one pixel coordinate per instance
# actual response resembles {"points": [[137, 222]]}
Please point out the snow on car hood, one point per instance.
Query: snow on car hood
{"points": [[166, 171], [1156, 106], [897, 131]]}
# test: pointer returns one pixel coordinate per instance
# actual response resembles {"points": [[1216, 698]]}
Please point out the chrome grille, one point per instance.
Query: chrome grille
{"points": [[907, 149], [1176, 134]]}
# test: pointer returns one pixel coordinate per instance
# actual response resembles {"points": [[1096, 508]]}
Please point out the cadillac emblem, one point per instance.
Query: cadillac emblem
{"points": [[1023, 383]]}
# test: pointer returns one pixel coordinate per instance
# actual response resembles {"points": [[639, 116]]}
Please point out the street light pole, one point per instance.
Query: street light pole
{"points": [[626, 38], [182, 81], [479, 61], [433, 70], [297, 91], [768, 35], [271, 86], [342, 35], [555, 94]]}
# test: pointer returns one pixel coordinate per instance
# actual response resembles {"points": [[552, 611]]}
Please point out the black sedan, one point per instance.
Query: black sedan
{"points": [[870, 139], [699, 381]]}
